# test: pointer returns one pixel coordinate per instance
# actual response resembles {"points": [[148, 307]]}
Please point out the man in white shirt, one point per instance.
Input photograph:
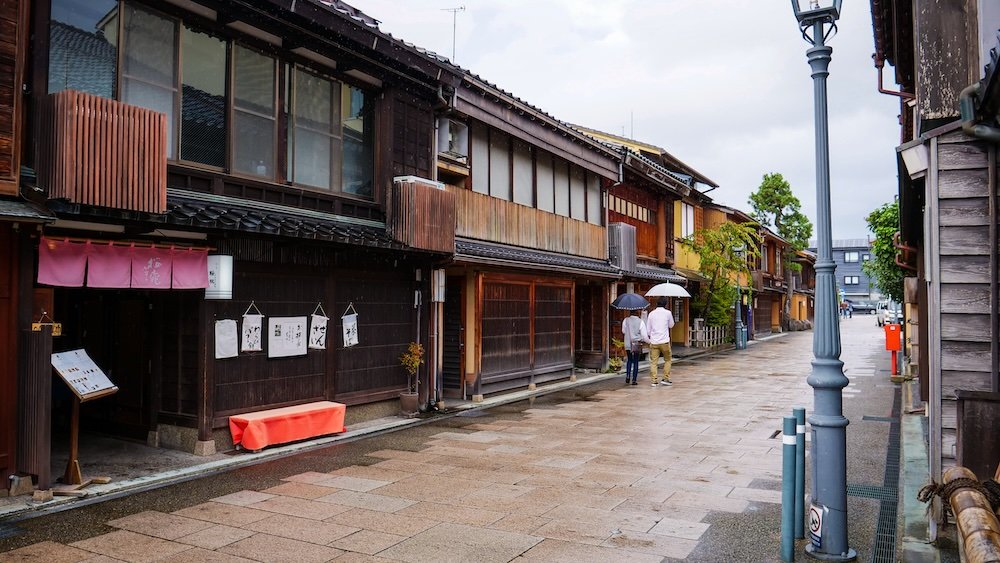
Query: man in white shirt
{"points": [[659, 323]]}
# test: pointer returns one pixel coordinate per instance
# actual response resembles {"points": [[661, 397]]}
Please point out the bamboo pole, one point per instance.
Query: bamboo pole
{"points": [[978, 528]]}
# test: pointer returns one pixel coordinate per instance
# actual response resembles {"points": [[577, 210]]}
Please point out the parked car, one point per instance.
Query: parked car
{"points": [[864, 306]]}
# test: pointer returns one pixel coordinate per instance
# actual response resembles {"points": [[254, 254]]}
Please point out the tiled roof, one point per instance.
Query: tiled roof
{"points": [[476, 251], [19, 210], [206, 211], [657, 274]]}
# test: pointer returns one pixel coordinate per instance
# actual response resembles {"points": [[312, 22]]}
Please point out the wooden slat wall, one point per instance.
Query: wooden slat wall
{"points": [[13, 34], [104, 153], [506, 328], [421, 216], [251, 382], [553, 325], [384, 302], [487, 218], [964, 245]]}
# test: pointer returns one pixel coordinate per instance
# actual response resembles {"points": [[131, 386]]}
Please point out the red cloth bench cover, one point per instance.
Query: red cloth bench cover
{"points": [[276, 426]]}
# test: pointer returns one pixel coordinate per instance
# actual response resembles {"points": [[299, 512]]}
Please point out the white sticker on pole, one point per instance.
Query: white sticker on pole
{"points": [[816, 525], [788, 439]]}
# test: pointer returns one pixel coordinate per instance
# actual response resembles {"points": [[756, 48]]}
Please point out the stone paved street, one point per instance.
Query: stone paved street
{"points": [[688, 472]]}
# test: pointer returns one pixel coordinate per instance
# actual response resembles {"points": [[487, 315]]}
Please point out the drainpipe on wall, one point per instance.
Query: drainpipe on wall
{"points": [[967, 107]]}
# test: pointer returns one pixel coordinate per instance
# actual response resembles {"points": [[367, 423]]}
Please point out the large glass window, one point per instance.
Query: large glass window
{"points": [[149, 64], [203, 98], [83, 46], [358, 116], [253, 112], [850, 257], [315, 143]]}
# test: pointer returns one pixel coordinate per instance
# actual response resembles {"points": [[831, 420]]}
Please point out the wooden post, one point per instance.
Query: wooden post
{"points": [[73, 475], [978, 528]]}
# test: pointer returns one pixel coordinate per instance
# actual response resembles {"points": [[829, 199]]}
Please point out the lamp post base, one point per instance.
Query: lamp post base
{"points": [[811, 553]]}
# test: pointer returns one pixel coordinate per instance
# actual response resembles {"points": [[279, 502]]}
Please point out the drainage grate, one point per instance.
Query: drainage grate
{"points": [[884, 545], [871, 491], [879, 418]]}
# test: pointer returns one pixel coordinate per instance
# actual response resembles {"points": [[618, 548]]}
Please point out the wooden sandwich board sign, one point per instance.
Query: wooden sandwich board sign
{"points": [[88, 382]]}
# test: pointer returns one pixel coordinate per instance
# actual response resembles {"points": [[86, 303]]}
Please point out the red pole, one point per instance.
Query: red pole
{"points": [[894, 363]]}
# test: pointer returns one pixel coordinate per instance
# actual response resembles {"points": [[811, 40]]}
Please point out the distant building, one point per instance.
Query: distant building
{"points": [[849, 255]]}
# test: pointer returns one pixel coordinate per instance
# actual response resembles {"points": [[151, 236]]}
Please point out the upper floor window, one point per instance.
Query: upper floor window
{"points": [[203, 98], [635, 211], [852, 280], [850, 257], [83, 46], [687, 220], [202, 82], [866, 257]]}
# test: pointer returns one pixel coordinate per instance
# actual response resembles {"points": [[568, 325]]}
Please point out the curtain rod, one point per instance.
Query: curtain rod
{"points": [[140, 244]]}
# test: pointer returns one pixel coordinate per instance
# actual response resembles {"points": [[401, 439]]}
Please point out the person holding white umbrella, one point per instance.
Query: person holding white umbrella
{"points": [[658, 324]]}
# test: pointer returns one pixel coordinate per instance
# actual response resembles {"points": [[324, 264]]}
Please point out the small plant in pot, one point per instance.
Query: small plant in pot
{"points": [[411, 360], [615, 362]]}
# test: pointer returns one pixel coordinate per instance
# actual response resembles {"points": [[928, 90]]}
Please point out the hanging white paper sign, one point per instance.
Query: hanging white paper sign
{"points": [[286, 336], [226, 345], [350, 330], [317, 332], [252, 326]]}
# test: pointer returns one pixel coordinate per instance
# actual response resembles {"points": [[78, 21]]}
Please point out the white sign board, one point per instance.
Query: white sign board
{"points": [[286, 336], [82, 375], [225, 339]]}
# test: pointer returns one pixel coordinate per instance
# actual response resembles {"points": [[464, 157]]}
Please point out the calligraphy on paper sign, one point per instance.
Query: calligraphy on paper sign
{"points": [[317, 332], [252, 341], [286, 336]]}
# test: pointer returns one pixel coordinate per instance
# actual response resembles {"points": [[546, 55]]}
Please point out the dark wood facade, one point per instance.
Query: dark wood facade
{"points": [[8, 349], [295, 246], [13, 39]]}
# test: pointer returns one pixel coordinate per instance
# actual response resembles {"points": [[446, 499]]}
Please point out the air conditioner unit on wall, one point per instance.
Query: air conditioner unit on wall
{"points": [[621, 246]]}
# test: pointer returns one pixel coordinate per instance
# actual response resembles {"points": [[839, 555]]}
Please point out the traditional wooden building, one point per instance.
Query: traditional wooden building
{"points": [[769, 285], [948, 216], [263, 133], [804, 287], [640, 223], [526, 298]]}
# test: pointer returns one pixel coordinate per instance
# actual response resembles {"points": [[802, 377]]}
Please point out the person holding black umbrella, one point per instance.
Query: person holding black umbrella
{"points": [[634, 331]]}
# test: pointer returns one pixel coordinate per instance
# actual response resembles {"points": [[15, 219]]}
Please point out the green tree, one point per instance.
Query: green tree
{"points": [[723, 253], [884, 222], [775, 205]]}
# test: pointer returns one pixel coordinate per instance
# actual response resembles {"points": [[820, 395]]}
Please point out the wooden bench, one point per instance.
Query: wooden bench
{"points": [[256, 430]]}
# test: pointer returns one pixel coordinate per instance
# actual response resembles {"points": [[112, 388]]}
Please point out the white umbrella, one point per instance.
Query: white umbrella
{"points": [[667, 290]]}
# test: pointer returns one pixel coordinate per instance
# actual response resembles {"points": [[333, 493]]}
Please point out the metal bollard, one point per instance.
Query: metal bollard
{"points": [[788, 489], [800, 471]]}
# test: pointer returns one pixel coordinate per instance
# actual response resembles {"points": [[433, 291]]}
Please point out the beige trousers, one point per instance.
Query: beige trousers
{"points": [[655, 351]]}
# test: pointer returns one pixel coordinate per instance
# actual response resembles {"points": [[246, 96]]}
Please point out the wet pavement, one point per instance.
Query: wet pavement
{"points": [[603, 472]]}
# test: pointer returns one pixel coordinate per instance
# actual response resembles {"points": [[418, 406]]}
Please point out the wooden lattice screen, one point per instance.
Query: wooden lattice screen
{"points": [[96, 151]]}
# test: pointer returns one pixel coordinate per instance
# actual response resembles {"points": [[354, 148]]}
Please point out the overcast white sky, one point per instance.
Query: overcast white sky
{"points": [[721, 84]]}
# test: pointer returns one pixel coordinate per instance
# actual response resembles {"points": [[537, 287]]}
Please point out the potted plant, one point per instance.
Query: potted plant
{"points": [[615, 362], [410, 360]]}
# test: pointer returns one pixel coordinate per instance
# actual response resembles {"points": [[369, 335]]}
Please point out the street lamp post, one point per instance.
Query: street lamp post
{"points": [[741, 341], [828, 513]]}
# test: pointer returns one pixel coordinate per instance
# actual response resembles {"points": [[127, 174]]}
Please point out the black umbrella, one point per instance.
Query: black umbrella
{"points": [[630, 302]]}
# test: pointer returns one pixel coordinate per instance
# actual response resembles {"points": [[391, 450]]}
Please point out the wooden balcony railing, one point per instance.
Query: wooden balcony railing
{"points": [[492, 219], [96, 151], [421, 215]]}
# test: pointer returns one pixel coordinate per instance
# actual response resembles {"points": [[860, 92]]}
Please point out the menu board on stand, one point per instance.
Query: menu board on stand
{"points": [[88, 382]]}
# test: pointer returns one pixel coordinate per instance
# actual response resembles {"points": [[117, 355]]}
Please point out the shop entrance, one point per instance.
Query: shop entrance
{"points": [[130, 335]]}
